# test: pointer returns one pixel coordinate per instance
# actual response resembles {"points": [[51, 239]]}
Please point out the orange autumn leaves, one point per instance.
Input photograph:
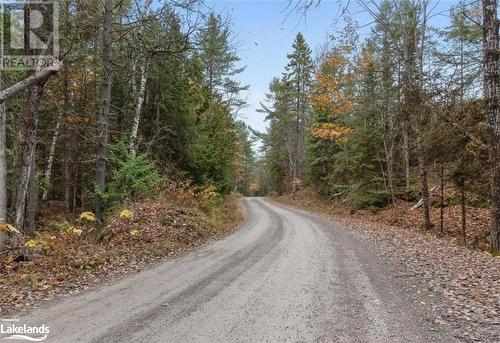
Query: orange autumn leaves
{"points": [[331, 131], [329, 94]]}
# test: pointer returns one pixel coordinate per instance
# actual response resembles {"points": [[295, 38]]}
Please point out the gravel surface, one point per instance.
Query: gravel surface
{"points": [[285, 276]]}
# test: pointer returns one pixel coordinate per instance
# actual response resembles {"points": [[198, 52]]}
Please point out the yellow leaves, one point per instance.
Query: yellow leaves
{"points": [[8, 228], [331, 131], [489, 253], [134, 233], [208, 196], [75, 231], [332, 82], [126, 214], [331, 93], [89, 216], [367, 63], [31, 243]]}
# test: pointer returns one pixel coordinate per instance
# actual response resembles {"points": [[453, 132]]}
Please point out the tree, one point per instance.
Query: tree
{"points": [[219, 61], [172, 121], [3, 169], [214, 151], [103, 114], [331, 99], [298, 76], [246, 158], [27, 166], [412, 29], [276, 141], [492, 111]]}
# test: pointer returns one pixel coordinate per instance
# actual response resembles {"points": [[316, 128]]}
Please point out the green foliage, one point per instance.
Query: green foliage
{"points": [[288, 112], [366, 198], [213, 152], [131, 175], [61, 225], [219, 61], [320, 153], [246, 162]]}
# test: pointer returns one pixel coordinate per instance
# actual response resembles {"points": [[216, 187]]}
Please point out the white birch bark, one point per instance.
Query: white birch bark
{"points": [[138, 108], [52, 151]]}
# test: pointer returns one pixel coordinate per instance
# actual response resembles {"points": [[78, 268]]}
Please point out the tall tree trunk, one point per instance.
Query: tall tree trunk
{"points": [[406, 155], [3, 167], [32, 199], [28, 150], [55, 137], [424, 187], [293, 169], [75, 186], [52, 151], [389, 158], [491, 96], [67, 183], [138, 108], [102, 117], [421, 118], [462, 205], [441, 205]]}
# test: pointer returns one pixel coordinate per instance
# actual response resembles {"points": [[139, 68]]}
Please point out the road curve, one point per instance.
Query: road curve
{"points": [[285, 276]]}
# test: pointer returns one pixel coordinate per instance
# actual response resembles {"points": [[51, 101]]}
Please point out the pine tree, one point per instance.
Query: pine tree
{"points": [[220, 62], [277, 142], [298, 76]]}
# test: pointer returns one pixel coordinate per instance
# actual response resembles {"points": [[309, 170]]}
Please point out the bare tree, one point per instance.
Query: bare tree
{"points": [[28, 150], [491, 95], [103, 114]]}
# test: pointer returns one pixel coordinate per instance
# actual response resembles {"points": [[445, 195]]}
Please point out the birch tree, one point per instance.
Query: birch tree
{"points": [[138, 106]]}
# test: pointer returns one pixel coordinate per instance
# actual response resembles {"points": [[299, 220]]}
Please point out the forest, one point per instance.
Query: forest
{"points": [[148, 99], [129, 162], [404, 116], [152, 98]]}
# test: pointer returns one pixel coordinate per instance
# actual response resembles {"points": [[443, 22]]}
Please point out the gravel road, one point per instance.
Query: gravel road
{"points": [[285, 276]]}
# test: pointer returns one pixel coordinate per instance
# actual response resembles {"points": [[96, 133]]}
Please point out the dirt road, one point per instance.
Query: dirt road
{"points": [[285, 276]]}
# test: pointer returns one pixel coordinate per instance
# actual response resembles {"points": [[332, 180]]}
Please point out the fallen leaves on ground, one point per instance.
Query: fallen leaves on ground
{"points": [[61, 262]]}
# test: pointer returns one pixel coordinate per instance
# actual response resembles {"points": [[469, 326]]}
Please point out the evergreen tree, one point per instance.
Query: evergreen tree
{"points": [[298, 76], [277, 142], [220, 62]]}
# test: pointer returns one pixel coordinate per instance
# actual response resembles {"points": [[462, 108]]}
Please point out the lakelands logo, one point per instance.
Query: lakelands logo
{"points": [[29, 34], [11, 329]]}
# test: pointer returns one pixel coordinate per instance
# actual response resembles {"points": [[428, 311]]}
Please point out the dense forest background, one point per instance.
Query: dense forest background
{"points": [[145, 96], [151, 98], [403, 116]]}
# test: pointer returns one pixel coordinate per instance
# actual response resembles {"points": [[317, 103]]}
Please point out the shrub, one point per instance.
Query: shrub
{"points": [[131, 176]]}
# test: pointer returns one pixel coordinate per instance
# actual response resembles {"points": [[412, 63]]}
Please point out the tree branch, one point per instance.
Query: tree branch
{"points": [[39, 75]]}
